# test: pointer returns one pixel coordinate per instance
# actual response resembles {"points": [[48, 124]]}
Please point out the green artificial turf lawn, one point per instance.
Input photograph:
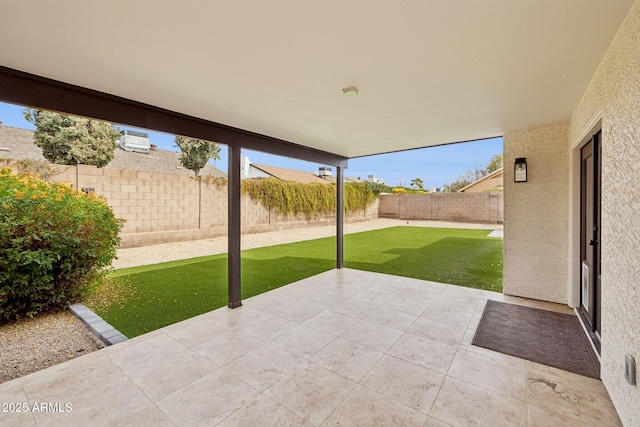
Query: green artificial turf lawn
{"points": [[447, 255], [141, 299]]}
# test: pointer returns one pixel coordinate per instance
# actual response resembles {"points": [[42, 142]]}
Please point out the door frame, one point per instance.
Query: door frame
{"points": [[590, 234], [573, 283]]}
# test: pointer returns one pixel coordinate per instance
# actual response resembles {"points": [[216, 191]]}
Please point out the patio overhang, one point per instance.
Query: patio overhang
{"points": [[39, 92], [428, 72]]}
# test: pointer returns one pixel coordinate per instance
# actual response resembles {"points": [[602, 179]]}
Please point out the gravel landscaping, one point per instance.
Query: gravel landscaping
{"points": [[32, 344]]}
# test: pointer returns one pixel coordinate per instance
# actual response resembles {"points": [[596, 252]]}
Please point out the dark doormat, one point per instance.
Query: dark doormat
{"points": [[546, 337]]}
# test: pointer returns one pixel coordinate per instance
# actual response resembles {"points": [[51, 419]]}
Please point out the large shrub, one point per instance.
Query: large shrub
{"points": [[54, 241]]}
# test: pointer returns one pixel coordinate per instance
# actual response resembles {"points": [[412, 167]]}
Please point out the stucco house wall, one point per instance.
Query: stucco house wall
{"points": [[536, 214], [540, 255], [613, 97]]}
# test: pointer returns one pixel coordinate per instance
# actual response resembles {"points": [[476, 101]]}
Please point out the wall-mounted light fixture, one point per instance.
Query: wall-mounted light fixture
{"points": [[520, 170]]}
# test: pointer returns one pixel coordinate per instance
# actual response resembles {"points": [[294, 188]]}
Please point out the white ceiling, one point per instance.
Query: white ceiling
{"points": [[429, 72]]}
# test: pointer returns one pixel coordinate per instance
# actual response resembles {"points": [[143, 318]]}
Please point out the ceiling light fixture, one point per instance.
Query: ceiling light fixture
{"points": [[350, 91]]}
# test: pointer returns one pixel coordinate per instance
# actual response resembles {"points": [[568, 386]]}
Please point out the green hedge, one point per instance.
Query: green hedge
{"points": [[54, 241]]}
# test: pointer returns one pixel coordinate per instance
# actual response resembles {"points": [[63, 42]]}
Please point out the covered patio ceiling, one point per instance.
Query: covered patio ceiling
{"points": [[429, 72]]}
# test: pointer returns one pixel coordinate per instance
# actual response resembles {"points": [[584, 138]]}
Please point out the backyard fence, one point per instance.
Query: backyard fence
{"points": [[486, 208], [160, 208]]}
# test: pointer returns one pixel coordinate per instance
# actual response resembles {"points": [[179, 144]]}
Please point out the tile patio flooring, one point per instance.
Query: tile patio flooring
{"points": [[345, 347]]}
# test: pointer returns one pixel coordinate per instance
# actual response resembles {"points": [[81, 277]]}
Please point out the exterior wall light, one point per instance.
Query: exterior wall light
{"points": [[350, 91], [520, 170]]}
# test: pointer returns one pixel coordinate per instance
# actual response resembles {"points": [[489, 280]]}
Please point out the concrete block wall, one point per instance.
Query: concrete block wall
{"points": [[256, 218], [160, 208], [462, 207]]}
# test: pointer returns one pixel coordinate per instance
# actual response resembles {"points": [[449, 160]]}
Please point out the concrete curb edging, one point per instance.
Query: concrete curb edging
{"points": [[107, 333], [497, 233]]}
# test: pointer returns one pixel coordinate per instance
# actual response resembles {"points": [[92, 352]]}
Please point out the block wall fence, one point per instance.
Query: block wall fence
{"points": [[484, 208], [161, 208]]}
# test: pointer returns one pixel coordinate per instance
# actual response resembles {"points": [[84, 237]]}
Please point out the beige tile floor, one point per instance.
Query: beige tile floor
{"points": [[346, 348]]}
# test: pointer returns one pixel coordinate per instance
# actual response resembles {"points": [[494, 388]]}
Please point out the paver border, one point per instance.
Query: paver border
{"points": [[104, 331]]}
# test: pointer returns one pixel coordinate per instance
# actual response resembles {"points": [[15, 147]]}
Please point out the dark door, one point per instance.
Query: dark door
{"points": [[590, 228]]}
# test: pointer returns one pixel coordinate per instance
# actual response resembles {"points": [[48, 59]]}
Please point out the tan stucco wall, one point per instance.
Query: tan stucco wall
{"points": [[615, 92], [541, 216], [536, 214]]}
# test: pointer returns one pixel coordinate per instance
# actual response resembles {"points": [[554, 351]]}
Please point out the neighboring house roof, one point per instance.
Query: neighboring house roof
{"points": [[492, 181], [16, 143], [354, 179], [157, 161], [293, 175]]}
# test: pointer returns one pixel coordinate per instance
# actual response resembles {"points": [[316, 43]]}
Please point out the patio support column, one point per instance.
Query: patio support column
{"points": [[234, 233], [339, 217]]}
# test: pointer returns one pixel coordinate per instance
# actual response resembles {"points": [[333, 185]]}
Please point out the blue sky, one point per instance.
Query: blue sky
{"points": [[436, 166]]}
